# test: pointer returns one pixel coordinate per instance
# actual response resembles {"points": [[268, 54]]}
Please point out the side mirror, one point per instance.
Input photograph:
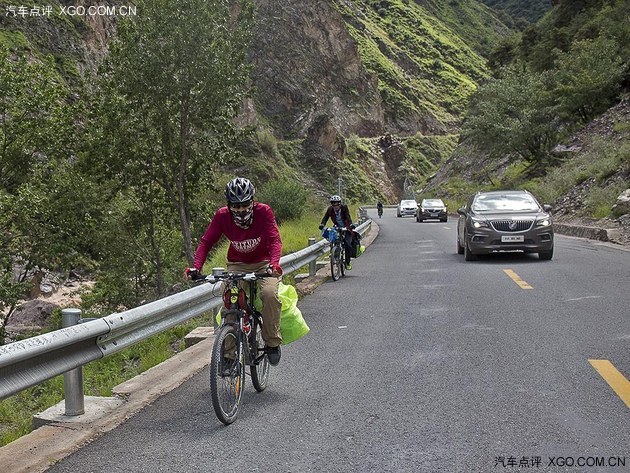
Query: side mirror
{"points": [[547, 208], [461, 211]]}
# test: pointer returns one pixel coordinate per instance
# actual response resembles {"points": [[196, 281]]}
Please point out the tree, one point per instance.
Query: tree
{"points": [[11, 289], [173, 83], [35, 122], [514, 115], [36, 134], [588, 78]]}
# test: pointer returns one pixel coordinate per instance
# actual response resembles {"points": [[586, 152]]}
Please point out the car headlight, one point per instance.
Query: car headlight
{"points": [[478, 223], [543, 222]]}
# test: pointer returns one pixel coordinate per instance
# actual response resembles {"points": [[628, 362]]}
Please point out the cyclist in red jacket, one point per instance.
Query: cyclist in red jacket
{"points": [[255, 246], [340, 216]]}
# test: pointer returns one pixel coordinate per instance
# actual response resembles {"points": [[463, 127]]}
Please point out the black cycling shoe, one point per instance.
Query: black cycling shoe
{"points": [[273, 353]]}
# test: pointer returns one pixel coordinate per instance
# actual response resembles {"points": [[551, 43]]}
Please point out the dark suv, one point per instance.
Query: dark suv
{"points": [[431, 208], [498, 221]]}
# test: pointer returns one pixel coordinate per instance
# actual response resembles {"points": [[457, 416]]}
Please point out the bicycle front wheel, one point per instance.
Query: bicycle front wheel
{"points": [[260, 370], [341, 261], [227, 375], [335, 254]]}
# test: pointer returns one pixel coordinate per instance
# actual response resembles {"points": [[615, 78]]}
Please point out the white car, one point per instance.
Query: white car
{"points": [[407, 207]]}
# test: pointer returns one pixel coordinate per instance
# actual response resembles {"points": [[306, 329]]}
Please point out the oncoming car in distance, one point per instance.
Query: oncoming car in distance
{"points": [[500, 221], [406, 207], [431, 208]]}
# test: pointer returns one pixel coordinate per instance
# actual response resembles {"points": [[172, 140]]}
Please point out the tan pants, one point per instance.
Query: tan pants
{"points": [[268, 291]]}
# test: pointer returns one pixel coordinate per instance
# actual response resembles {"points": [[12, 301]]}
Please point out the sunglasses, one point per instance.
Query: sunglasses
{"points": [[241, 206]]}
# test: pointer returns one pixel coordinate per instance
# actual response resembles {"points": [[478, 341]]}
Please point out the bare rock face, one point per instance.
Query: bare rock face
{"points": [[622, 205], [394, 154], [306, 64], [324, 134], [34, 313]]}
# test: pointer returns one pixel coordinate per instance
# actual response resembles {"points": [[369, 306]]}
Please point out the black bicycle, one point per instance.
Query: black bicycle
{"points": [[238, 343], [380, 212], [336, 237]]}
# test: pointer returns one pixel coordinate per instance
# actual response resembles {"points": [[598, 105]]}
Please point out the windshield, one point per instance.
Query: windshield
{"points": [[505, 202], [432, 203], [408, 203]]}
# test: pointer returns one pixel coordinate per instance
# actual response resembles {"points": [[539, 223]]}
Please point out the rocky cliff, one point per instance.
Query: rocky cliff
{"points": [[307, 65], [370, 66]]}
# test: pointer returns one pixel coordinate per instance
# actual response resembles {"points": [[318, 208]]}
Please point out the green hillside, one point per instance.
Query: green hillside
{"points": [[426, 57], [530, 10]]}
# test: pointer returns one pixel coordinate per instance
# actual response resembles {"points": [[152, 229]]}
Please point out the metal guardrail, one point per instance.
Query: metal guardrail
{"points": [[28, 362]]}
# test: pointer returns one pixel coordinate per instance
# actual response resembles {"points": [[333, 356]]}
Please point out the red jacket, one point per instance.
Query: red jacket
{"points": [[260, 242]]}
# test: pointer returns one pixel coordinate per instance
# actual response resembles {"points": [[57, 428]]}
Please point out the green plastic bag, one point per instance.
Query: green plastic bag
{"points": [[292, 324]]}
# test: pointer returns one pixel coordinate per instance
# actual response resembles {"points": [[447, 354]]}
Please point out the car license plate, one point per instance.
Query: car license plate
{"points": [[512, 239]]}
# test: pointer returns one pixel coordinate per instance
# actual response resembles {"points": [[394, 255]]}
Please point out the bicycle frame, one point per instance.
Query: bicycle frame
{"points": [[337, 250], [240, 306]]}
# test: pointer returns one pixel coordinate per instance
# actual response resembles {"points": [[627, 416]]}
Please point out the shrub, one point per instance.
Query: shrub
{"points": [[268, 143], [287, 199]]}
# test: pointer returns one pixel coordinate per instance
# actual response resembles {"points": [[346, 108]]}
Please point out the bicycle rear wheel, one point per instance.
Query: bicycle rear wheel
{"points": [[227, 375], [260, 371], [335, 253]]}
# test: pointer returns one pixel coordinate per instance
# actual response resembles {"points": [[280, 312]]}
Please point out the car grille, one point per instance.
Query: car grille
{"points": [[512, 225]]}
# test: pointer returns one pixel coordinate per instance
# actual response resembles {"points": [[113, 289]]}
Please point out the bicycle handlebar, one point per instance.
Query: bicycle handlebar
{"points": [[233, 276]]}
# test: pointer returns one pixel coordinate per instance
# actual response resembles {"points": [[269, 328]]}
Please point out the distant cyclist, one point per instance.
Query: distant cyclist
{"points": [[340, 216], [255, 246], [379, 208]]}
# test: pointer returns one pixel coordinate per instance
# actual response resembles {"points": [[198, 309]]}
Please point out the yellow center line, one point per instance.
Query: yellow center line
{"points": [[517, 279], [614, 378]]}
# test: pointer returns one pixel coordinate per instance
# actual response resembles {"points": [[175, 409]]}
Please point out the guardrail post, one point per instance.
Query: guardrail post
{"points": [[73, 379], [312, 266]]}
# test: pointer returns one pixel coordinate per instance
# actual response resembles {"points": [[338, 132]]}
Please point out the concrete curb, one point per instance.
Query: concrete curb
{"points": [[592, 233], [58, 435]]}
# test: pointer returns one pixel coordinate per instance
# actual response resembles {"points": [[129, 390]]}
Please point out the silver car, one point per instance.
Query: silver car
{"points": [[500, 221], [407, 207], [431, 208]]}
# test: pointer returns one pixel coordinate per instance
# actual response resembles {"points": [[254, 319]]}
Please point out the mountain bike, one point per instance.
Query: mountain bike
{"points": [[238, 343], [336, 236], [380, 212]]}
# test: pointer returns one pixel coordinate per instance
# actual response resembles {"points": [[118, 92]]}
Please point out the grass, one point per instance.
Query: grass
{"points": [[101, 376], [601, 162]]}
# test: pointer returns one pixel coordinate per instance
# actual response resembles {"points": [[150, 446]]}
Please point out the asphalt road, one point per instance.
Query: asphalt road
{"points": [[418, 361]]}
